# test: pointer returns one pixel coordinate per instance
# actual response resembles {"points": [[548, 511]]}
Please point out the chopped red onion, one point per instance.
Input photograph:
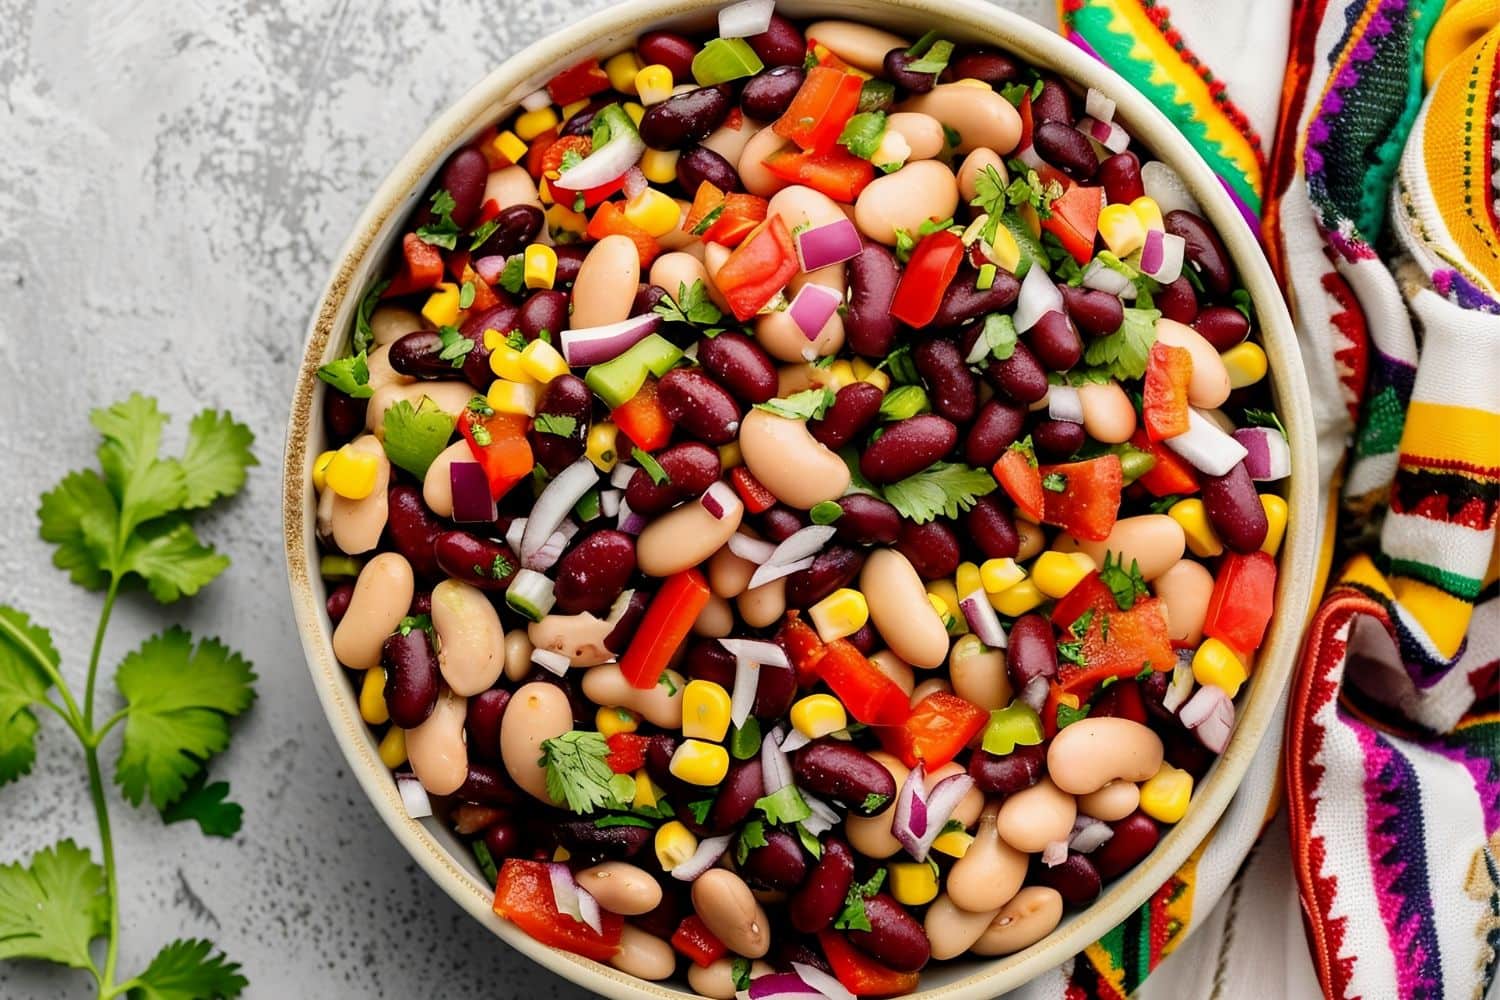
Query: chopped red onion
{"points": [[1103, 278], [597, 344], [621, 474], [781, 986], [629, 521], [1165, 187], [551, 661], [413, 796], [1268, 457], [746, 682], [609, 501], [754, 550], [603, 165], [799, 545], [926, 812], [1097, 105], [1205, 447], [1055, 853], [709, 851], [830, 243], [537, 100], [822, 982], [555, 503], [812, 307], [1107, 134], [490, 268], [770, 573], [910, 817], [746, 18], [1038, 297], [795, 740], [720, 501], [775, 769], [635, 183], [472, 503], [1034, 694], [1210, 714], [1088, 834], [1181, 684], [1161, 256], [982, 619], [1064, 403], [572, 899], [514, 532], [547, 556], [1031, 157]]}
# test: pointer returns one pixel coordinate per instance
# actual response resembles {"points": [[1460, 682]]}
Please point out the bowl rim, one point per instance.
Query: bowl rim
{"points": [[494, 96]]}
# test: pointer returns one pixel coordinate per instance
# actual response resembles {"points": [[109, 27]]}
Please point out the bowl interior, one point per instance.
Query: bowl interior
{"points": [[446, 859]]}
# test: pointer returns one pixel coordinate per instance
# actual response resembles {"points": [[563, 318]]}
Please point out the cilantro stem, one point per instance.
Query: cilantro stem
{"points": [[105, 612], [21, 639], [107, 851]]}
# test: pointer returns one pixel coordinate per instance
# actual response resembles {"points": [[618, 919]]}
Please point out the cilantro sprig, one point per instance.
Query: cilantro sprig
{"points": [[442, 231], [576, 771], [690, 305], [944, 488], [853, 916], [124, 525]]}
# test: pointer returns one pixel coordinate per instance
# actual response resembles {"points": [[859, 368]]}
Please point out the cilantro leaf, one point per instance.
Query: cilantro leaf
{"points": [[216, 457], [1125, 584], [364, 335], [990, 199], [1124, 353], [52, 908], [208, 805], [1264, 418], [415, 436], [905, 244], [700, 809], [23, 683], [81, 518], [144, 485], [809, 404], [739, 970], [486, 861], [1055, 482], [179, 701], [874, 801], [1029, 189], [853, 916], [555, 424], [691, 305], [786, 806], [809, 840], [752, 835], [899, 363], [934, 61], [442, 231], [168, 555], [576, 772], [351, 376], [999, 333], [456, 346], [1071, 652], [1067, 714], [466, 298], [942, 488], [614, 819], [187, 970], [513, 274], [653, 468]]}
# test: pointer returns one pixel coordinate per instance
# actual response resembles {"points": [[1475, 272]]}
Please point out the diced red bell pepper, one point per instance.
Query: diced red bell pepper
{"points": [[939, 727], [1027, 125], [523, 895], [707, 198], [1057, 696], [1164, 400], [1074, 220], [756, 497], [422, 267], [1089, 501], [1121, 700], [1242, 601], [1116, 643], [1170, 475], [821, 108], [1022, 482], [643, 418], [627, 752], [694, 940], [742, 213], [556, 151], [577, 83], [869, 695], [803, 648], [498, 443], [758, 268], [536, 153], [609, 220], [835, 172], [667, 621], [928, 274], [484, 296], [862, 975]]}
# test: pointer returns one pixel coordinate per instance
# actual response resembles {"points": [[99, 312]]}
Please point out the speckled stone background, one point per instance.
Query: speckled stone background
{"points": [[174, 181]]}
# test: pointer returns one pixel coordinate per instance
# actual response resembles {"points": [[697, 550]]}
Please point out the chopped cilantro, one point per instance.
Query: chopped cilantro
{"points": [[1146, 671], [555, 424], [700, 809], [616, 819], [1264, 418], [692, 305], [809, 404], [809, 841], [899, 363], [486, 862], [665, 680], [1055, 482], [413, 622], [989, 198], [513, 275], [905, 244], [853, 916], [1163, 504], [942, 488], [351, 376], [1029, 189], [456, 346], [1125, 584], [752, 835], [501, 567], [1072, 652], [826, 512], [1026, 448], [786, 806], [1067, 714], [739, 970], [874, 801], [576, 772], [935, 60], [652, 466], [1123, 354], [466, 298], [515, 340], [364, 336], [483, 232], [442, 231], [415, 436], [1081, 624]]}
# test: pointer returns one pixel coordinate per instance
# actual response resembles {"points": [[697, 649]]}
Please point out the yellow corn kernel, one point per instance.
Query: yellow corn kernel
{"points": [[600, 446], [1193, 517], [510, 146], [561, 853], [534, 123], [653, 84], [544, 192], [493, 339], [1246, 364], [1275, 508], [561, 219], [913, 883], [674, 844], [1149, 212], [660, 165], [1166, 794], [841, 613], [514, 397], [372, 707], [542, 362], [1055, 573], [569, 110], [621, 69], [967, 579], [840, 374], [954, 843], [1017, 599], [818, 715], [705, 711], [862, 368], [700, 763], [654, 211], [1004, 251], [505, 362], [635, 111], [939, 605], [646, 793], [999, 575], [320, 470], [1217, 664], [947, 593], [611, 720], [1121, 229], [541, 266], [392, 747], [351, 473], [729, 455], [441, 308], [880, 379]]}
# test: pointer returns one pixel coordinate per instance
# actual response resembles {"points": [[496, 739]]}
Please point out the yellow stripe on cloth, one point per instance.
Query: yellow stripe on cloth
{"points": [[1443, 617], [1361, 571], [1451, 438], [1463, 23]]}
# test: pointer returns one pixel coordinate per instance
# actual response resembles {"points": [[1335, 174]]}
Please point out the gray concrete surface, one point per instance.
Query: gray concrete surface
{"points": [[174, 180]]}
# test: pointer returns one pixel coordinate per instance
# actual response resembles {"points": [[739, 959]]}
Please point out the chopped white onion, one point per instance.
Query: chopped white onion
{"points": [[547, 556], [555, 503], [620, 475], [1166, 188], [756, 550], [746, 682], [514, 532], [1034, 694], [1102, 278], [413, 796], [1181, 684], [537, 100], [775, 769], [770, 574], [746, 18], [1064, 403], [608, 162], [762, 651], [822, 982], [1205, 447], [609, 502], [1209, 714], [1088, 834], [983, 619], [820, 809], [795, 548], [551, 661], [795, 740], [1038, 296], [1055, 853], [709, 851], [572, 899], [1097, 105]]}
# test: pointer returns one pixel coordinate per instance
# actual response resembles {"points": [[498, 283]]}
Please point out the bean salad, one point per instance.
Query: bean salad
{"points": [[801, 504]]}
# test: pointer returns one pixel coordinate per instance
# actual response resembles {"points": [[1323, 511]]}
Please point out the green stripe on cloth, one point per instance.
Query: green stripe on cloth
{"points": [[1465, 588]]}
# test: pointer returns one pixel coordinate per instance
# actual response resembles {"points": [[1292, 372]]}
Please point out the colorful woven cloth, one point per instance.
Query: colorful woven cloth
{"points": [[1371, 169]]}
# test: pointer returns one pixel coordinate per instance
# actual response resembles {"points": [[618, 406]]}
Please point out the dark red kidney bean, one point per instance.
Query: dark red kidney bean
{"points": [[1204, 251], [699, 406], [1234, 509], [866, 520], [659, 750], [515, 227], [421, 603], [663, 921], [1120, 175], [670, 50], [1076, 879], [476, 367], [338, 601], [411, 677], [569, 261], [706, 660], [700, 164], [545, 310], [565, 396], [691, 468], [505, 839], [962, 302], [778, 865], [992, 530], [416, 354], [1054, 339], [1007, 775], [778, 523], [1135, 837], [908, 446], [894, 938], [897, 63], [997, 426], [1056, 440], [836, 566], [1053, 104], [343, 415], [1067, 149], [594, 572], [501, 318], [740, 364], [774, 693], [1033, 650], [1020, 376], [767, 95], [865, 639], [482, 724], [854, 407], [463, 177], [932, 548], [1097, 313], [1185, 750], [869, 327], [1178, 301], [487, 786], [1153, 691], [982, 62], [952, 389], [737, 794], [821, 897], [589, 843], [833, 769], [479, 562], [687, 118], [647, 297], [781, 44], [625, 627], [1222, 326], [414, 529], [582, 122]]}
